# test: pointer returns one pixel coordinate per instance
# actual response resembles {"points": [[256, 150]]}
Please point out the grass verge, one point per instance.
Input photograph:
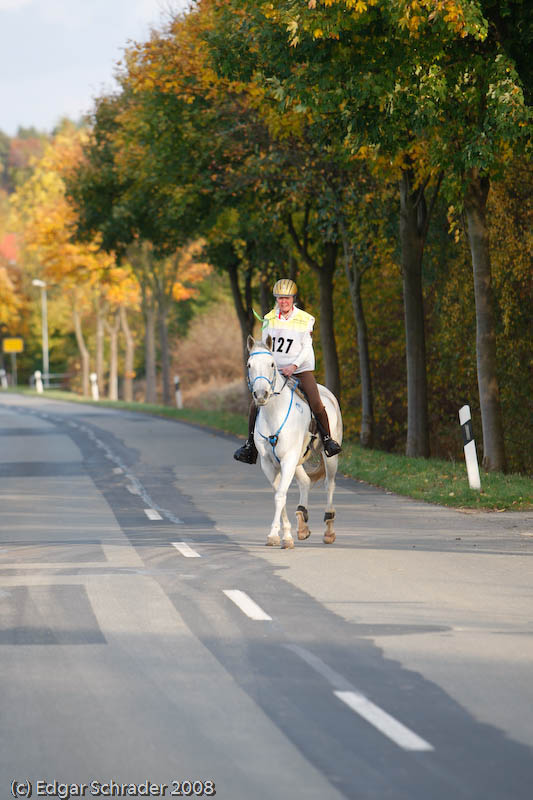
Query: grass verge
{"points": [[431, 480], [435, 481]]}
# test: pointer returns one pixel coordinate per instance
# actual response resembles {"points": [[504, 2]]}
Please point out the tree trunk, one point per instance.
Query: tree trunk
{"points": [[354, 276], [327, 333], [265, 294], [129, 358], [243, 308], [162, 319], [366, 436], [489, 394], [149, 351], [84, 353], [325, 272], [413, 227], [113, 356], [100, 345]]}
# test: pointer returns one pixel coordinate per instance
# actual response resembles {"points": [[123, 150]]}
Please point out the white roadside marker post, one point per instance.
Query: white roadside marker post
{"points": [[38, 381], [3, 379], [94, 386], [472, 468], [177, 390]]}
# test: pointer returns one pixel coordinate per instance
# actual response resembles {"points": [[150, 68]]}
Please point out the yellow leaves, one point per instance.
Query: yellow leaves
{"points": [[415, 13], [9, 299], [45, 219], [357, 5], [318, 33], [121, 287], [292, 29]]}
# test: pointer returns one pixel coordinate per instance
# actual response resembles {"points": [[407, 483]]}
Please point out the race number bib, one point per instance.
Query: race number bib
{"points": [[281, 345]]}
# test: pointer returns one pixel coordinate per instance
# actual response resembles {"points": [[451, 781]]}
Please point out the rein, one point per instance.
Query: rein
{"points": [[273, 439]]}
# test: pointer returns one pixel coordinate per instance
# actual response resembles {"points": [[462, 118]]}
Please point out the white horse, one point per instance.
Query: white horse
{"points": [[284, 441]]}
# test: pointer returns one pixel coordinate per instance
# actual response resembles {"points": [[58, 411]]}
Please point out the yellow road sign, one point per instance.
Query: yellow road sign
{"points": [[13, 344]]}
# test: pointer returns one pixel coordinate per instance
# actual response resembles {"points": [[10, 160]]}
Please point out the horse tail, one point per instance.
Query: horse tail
{"points": [[317, 473]]}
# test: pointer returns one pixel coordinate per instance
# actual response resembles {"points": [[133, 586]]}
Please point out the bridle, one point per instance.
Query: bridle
{"points": [[270, 381]]}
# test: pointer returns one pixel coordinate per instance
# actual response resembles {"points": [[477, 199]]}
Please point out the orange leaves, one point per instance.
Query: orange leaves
{"points": [[458, 16], [190, 271], [121, 287], [8, 248], [174, 61]]}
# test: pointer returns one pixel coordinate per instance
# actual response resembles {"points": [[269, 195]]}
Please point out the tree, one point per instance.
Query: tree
{"points": [[388, 75], [339, 73], [46, 220]]}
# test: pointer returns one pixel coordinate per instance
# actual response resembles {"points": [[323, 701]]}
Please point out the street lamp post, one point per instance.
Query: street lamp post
{"points": [[46, 367]]}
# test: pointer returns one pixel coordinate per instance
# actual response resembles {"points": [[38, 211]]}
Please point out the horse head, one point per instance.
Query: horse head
{"points": [[262, 371]]}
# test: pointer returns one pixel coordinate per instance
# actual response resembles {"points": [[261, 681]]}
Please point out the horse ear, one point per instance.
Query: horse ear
{"points": [[268, 342], [250, 343]]}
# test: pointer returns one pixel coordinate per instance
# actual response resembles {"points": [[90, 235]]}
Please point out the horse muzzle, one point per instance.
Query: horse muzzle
{"points": [[261, 397]]}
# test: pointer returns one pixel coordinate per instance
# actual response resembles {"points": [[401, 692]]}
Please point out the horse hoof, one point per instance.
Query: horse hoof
{"points": [[272, 540], [329, 538], [287, 544], [303, 528]]}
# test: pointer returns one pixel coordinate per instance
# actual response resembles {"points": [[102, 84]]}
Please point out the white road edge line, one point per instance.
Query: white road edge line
{"points": [[246, 604], [389, 726], [185, 550], [152, 514]]}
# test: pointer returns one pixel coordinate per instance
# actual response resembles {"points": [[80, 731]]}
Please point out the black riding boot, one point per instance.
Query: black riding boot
{"points": [[248, 452], [331, 447]]}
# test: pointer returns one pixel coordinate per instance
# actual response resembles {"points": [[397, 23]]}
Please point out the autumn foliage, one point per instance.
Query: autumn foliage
{"points": [[377, 152]]}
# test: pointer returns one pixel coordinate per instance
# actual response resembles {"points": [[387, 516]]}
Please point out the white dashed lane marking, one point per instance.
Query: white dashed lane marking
{"points": [[390, 727], [246, 604], [376, 716], [343, 690], [185, 550]]}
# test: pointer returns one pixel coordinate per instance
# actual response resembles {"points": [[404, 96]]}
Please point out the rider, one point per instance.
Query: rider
{"points": [[292, 346]]}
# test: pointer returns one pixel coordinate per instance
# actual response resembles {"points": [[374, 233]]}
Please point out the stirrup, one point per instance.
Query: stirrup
{"points": [[331, 447], [247, 453]]}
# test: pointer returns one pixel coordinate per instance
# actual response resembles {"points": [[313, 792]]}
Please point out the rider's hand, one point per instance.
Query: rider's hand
{"points": [[287, 371]]}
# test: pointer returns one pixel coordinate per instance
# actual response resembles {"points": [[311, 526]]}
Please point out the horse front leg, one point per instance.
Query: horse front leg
{"points": [[329, 516], [288, 468], [302, 514], [273, 476]]}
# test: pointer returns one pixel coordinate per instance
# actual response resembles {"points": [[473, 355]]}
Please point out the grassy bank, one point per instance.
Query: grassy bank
{"points": [[431, 480], [435, 481]]}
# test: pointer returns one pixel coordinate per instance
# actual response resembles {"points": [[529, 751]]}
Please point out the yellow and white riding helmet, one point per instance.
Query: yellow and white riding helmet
{"points": [[284, 288]]}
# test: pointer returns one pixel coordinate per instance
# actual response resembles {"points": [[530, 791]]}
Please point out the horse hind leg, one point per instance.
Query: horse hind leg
{"points": [[302, 515], [329, 534], [329, 516]]}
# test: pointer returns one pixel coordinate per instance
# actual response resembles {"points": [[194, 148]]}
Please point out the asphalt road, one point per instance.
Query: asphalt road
{"points": [[148, 635]]}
